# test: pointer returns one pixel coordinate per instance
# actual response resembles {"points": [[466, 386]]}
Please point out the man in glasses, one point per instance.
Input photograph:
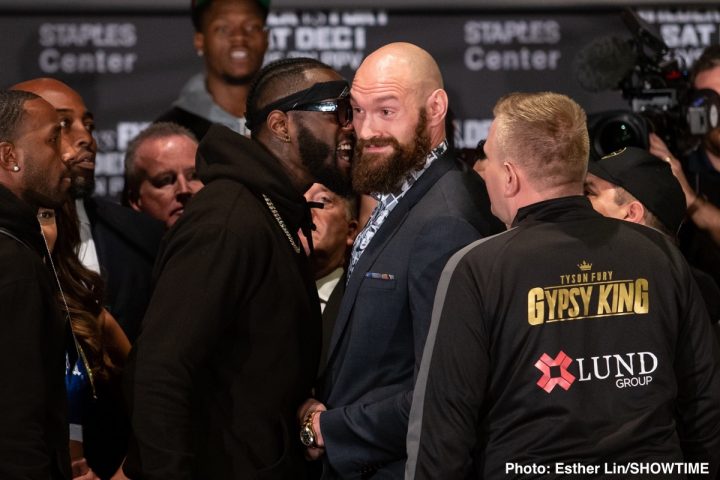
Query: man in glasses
{"points": [[428, 207], [231, 38], [324, 150], [229, 347]]}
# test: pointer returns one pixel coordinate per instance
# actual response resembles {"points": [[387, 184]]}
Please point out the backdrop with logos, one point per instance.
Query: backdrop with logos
{"points": [[129, 66]]}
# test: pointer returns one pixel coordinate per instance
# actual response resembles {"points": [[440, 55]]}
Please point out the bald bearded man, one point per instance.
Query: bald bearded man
{"points": [[428, 207]]}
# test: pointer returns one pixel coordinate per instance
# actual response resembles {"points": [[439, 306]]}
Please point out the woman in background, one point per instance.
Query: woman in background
{"points": [[97, 346]]}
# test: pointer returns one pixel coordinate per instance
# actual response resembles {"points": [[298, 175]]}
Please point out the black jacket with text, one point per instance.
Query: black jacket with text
{"points": [[573, 339]]}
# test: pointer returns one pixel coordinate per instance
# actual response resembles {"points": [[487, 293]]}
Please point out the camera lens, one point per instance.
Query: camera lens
{"points": [[616, 135], [615, 130]]}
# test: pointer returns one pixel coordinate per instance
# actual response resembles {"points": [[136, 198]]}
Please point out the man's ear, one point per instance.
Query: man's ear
{"points": [[634, 212], [8, 156], [265, 39], [136, 204], [277, 124], [199, 43], [352, 231], [436, 107], [511, 180]]}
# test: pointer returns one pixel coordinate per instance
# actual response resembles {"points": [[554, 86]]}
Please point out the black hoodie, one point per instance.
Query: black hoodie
{"points": [[33, 422], [230, 343]]}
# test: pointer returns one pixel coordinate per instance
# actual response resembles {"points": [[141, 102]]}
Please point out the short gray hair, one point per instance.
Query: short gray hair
{"points": [[134, 176]]}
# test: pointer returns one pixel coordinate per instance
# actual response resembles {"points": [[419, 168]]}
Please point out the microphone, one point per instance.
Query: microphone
{"points": [[644, 32], [604, 63]]}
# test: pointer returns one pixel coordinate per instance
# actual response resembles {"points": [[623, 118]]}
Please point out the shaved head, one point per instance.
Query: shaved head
{"points": [[399, 115], [405, 64], [77, 127], [44, 86]]}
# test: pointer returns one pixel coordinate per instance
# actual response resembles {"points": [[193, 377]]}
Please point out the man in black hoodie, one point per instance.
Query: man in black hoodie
{"points": [[34, 439], [229, 346]]}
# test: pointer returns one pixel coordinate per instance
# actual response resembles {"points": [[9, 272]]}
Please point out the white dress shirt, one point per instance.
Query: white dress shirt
{"points": [[326, 285], [87, 252]]}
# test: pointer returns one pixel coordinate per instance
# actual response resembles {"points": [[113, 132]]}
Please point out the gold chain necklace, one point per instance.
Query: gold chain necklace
{"points": [[280, 222], [78, 347]]}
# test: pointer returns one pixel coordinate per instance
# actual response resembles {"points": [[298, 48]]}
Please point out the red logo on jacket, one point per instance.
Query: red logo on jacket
{"points": [[554, 371]]}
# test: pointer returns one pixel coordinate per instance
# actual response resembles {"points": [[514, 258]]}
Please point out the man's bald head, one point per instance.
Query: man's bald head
{"points": [[77, 127], [399, 115], [43, 86], [403, 63]]}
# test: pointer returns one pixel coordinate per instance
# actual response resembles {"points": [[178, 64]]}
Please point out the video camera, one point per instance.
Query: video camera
{"points": [[655, 84]]}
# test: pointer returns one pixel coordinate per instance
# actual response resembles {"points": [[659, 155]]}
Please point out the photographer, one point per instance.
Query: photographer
{"points": [[699, 176]]}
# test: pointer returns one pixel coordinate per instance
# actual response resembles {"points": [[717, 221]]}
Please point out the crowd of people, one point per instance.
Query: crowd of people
{"points": [[304, 282]]}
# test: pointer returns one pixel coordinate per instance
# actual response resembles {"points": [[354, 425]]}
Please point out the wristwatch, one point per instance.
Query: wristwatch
{"points": [[307, 434]]}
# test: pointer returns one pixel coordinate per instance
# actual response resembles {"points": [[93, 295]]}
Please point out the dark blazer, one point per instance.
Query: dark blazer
{"points": [[127, 243], [382, 323], [329, 314]]}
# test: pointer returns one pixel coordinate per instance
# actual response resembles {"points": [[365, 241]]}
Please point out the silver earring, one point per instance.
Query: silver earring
{"points": [[16, 168], [199, 53]]}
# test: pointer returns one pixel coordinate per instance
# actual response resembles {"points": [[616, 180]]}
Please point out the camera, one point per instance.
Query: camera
{"points": [[655, 84]]}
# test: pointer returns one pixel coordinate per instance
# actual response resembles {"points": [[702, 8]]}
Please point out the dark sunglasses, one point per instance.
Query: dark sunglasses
{"points": [[341, 107]]}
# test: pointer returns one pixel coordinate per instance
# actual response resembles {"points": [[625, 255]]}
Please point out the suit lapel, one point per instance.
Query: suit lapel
{"points": [[382, 237], [102, 212]]}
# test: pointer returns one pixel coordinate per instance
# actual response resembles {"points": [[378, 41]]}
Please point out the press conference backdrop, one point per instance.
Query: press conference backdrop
{"points": [[130, 66]]}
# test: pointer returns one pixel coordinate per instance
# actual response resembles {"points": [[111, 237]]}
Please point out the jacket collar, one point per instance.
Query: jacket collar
{"points": [[18, 218], [557, 210]]}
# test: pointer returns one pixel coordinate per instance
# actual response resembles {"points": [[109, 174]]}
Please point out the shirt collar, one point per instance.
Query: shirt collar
{"points": [[326, 284], [81, 213], [196, 99]]}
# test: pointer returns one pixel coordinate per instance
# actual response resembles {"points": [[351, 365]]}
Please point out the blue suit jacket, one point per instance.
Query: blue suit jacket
{"points": [[382, 323]]}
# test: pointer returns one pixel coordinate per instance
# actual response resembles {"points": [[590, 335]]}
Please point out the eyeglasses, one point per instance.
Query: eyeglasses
{"points": [[312, 95], [341, 107]]}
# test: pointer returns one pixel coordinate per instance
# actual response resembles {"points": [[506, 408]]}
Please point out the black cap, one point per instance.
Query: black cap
{"points": [[647, 178], [197, 7]]}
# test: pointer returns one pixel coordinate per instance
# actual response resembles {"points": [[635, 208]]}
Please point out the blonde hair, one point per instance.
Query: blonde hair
{"points": [[546, 133]]}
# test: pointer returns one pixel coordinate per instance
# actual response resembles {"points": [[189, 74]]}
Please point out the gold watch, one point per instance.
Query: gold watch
{"points": [[307, 434]]}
